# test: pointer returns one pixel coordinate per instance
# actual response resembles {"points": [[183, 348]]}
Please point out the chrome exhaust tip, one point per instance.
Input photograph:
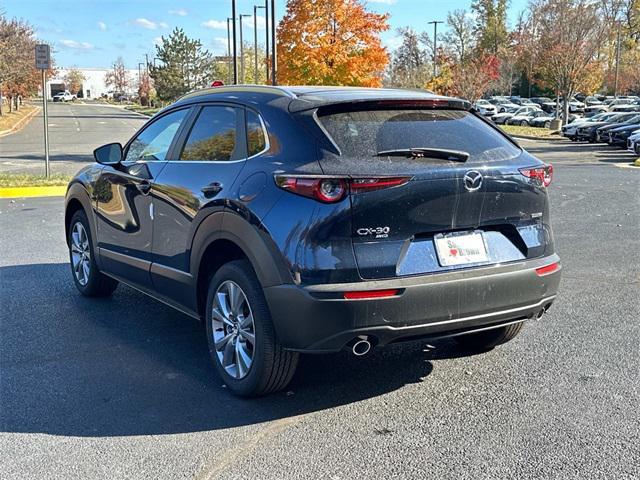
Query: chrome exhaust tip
{"points": [[361, 346]]}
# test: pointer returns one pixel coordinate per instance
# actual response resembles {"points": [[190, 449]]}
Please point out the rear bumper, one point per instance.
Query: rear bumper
{"points": [[319, 319]]}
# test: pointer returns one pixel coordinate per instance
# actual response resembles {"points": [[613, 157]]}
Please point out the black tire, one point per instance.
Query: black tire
{"points": [[98, 284], [272, 367], [483, 341], [547, 124], [524, 123]]}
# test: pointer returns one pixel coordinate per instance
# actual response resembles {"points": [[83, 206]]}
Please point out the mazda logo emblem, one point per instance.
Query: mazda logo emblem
{"points": [[472, 180]]}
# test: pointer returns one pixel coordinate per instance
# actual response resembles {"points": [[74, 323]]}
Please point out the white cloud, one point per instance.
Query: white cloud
{"points": [[249, 22], [386, 2], [163, 25], [145, 23], [393, 42], [102, 26], [76, 45], [214, 24], [181, 12]]}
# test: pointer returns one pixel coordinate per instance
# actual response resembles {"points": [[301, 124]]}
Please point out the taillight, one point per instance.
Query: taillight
{"points": [[334, 189], [369, 184], [542, 175], [326, 190]]}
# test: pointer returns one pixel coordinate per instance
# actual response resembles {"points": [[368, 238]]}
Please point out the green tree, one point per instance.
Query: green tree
{"points": [[459, 38], [491, 24], [184, 66]]}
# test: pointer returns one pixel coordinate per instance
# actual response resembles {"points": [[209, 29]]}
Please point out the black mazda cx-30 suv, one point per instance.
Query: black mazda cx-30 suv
{"points": [[314, 219]]}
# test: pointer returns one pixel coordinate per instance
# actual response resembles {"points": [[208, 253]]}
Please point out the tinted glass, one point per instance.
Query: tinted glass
{"points": [[213, 136], [255, 134], [364, 133], [154, 141]]}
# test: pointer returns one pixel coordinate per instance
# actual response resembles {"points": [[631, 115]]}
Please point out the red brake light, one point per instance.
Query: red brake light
{"points": [[369, 184], [217, 83], [547, 269], [334, 189], [326, 190], [543, 175], [370, 294]]}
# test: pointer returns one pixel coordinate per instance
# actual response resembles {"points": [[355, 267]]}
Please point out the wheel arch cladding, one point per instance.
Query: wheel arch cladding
{"points": [[223, 237], [78, 199]]}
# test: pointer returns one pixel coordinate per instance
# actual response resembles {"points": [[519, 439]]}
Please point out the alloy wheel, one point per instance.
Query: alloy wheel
{"points": [[80, 253], [233, 329]]}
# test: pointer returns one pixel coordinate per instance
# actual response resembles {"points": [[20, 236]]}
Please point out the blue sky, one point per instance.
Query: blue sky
{"points": [[93, 33]]}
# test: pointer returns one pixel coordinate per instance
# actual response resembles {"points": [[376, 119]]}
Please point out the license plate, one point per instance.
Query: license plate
{"points": [[461, 249]]}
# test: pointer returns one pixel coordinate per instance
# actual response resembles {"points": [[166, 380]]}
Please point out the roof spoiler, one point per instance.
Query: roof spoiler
{"points": [[334, 106]]}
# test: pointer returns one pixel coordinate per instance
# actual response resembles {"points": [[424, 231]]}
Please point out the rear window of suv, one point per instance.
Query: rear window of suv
{"points": [[364, 133]]}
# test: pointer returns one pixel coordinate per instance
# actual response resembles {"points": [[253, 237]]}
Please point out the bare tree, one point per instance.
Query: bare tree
{"points": [[568, 37], [460, 38], [73, 80], [118, 77]]}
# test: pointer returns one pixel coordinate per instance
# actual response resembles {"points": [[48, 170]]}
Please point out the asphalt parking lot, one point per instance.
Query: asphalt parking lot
{"points": [[75, 130], [122, 387]]}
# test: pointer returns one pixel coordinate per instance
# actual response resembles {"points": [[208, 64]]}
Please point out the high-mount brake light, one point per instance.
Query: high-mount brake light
{"points": [[335, 189], [543, 175]]}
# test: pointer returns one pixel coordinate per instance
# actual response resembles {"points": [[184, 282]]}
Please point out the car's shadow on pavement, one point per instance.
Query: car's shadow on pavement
{"points": [[128, 365]]}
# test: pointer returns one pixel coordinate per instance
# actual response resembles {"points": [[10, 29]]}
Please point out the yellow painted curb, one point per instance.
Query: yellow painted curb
{"points": [[23, 192]]}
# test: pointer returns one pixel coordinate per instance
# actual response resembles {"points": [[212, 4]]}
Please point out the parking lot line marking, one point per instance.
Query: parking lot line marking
{"points": [[235, 454]]}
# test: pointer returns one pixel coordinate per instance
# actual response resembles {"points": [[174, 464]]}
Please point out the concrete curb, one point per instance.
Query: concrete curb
{"points": [[21, 123], [26, 192]]}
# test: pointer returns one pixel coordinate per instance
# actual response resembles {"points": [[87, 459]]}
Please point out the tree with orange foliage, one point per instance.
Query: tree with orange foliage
{"points": [[331, 42]]}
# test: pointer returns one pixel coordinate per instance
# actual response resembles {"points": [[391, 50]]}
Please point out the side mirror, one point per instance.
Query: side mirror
{"points": [[109, 154]]}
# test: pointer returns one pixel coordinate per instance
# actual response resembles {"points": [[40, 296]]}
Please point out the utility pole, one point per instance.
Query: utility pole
{"points": [[615, 85], [255, 42], [235, 58], [435, 45], [266, 40], [230, 80], [274, 49], [242, 49]]}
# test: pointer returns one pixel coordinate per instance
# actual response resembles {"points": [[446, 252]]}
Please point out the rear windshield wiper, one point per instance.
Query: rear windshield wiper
{"points": [[443, 153]]}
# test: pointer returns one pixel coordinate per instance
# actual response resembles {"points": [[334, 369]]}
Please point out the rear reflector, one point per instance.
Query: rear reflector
{"points": [[547, 269], [370, 294]]}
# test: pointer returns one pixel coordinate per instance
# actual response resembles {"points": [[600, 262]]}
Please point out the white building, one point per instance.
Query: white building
{"points": [[94, 85]]}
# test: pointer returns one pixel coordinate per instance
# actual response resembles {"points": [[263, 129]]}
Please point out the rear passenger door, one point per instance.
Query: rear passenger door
{"points": [[211, 153]]}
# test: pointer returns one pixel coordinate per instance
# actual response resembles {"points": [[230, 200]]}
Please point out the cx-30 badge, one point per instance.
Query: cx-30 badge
{"points": [[472, 180]]}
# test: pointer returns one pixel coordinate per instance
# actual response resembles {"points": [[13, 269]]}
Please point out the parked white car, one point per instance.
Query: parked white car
{"points": [[503, 105], [484, 107], [65, 96], [501, 118]]}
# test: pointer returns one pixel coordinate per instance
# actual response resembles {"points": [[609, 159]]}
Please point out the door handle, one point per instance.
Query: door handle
{"points": [[212, 189], [144, 186]]}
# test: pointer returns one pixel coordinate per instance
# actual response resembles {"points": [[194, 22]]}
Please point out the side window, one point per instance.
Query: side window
{"points": [[154, 141], [213, 136], [256, 142]]}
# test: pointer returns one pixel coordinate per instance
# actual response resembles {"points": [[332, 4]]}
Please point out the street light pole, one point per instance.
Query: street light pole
{"points": [[255, 42], [274, 49], [435, 45], [266, 40], [615, 85], [235, 62], [230, 67], [242, 50]]}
